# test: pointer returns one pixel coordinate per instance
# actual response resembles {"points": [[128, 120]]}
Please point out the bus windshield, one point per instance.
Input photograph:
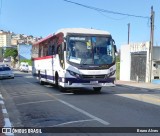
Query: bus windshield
{"points": [[90, 50]]}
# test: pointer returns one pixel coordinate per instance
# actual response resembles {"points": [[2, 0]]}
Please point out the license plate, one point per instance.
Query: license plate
{"points": [[94, 82]]}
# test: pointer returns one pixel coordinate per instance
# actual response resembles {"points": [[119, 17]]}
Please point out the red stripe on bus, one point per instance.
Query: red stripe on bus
{"points": [[41, 58]]}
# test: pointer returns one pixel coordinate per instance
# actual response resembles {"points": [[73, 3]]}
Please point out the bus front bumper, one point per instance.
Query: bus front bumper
{"points": [[86, 83]]}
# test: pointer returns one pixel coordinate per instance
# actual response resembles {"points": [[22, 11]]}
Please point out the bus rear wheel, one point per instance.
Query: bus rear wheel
{"points": [[97, 89], [40, 80], [56, 80]]}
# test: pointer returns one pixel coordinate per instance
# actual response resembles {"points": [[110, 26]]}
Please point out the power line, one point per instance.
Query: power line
{"points": [[107, 11], [112, 17]]}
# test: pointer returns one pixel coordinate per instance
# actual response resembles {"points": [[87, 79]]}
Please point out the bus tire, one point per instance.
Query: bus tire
{"points": [[40, 80], [62, 89], [56, 80], [97, 89]]}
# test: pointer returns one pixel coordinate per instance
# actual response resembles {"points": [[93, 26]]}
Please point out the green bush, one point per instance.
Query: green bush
{"points": [[118, 67], [28, 61], [117, 70]]}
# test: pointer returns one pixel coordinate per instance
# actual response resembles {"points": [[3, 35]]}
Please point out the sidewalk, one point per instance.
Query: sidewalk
{"points": [[140, 91], [138, 84], [1, 117], [2, 123], [4, 119]]}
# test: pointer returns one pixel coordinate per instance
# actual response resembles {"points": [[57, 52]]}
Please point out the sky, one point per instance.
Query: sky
{"points": [[43, 17]]}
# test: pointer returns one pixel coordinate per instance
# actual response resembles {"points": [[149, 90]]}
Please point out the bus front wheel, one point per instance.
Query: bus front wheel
{"points": [[62, 89], [56, 80], [97, 89]]}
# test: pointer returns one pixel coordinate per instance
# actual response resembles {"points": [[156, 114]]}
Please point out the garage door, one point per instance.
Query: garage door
{"points": [[138, 66]]}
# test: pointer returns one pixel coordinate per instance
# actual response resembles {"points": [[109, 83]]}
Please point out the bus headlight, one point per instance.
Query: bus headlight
{"points": [[74, 74], [110, 74]]}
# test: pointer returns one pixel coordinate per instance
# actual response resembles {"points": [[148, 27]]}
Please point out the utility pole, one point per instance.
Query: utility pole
{"points": [[128, 32], [151, 40]]}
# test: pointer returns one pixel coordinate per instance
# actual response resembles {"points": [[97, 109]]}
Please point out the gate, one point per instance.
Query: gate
{"points": [[138, 66]]}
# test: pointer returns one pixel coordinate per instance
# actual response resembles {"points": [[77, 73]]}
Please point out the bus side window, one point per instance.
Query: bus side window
{"points": [[39, 53], [49, 50], [45, 51], [61, 56], [53, 50]]}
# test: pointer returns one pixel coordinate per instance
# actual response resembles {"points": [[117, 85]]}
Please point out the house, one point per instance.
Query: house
{"points": [[137, 63]]}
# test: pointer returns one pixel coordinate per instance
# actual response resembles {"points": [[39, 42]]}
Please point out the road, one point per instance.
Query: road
{"points": [[32, 105]]}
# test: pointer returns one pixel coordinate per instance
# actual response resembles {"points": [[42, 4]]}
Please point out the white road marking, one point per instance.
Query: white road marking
{"points": [[28, 94], [1, 96], [62, 93], [82, 111], [1, 102], [28, 76], [7, 122], [4, 111], [8, 125], [86, 113], [29, 83], [71, 122], [34, 102]]}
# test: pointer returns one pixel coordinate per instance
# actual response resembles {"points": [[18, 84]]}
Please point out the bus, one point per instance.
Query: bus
{"points": [[74, 58]]}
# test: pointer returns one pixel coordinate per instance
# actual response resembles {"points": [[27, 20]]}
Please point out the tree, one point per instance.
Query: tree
{"points": [[11, 52]]}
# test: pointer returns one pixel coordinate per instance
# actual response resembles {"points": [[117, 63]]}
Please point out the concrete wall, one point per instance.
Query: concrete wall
{"points": [[125, 63], [147, 64], [156, 53], [156, 63]]}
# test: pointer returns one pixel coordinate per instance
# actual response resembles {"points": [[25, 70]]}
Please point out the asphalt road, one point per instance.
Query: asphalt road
{"points": [[32, 105]]}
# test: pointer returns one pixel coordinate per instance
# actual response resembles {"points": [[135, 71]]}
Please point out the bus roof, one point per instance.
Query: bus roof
{"points": [[66, 31]]}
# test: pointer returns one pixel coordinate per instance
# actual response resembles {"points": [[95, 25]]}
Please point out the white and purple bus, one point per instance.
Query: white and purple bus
{"points": [[75, 57]]}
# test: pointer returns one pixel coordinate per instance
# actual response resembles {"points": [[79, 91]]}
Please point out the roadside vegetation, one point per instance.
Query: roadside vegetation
{"points": [[118, 67], [13, 53], [29, 61]]}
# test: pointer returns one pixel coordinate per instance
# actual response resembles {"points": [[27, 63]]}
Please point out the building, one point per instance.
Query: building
{"points": [[23, 39], [5, 41], [5, 38], [136, 64], [1, 54]]}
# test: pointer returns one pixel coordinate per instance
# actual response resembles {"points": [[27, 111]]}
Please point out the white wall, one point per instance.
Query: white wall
{"points": [[147, 63], [156, 60], [125, 63], [156, 52]]}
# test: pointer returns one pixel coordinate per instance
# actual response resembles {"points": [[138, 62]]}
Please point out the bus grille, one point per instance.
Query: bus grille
{"points": [[93, 76]]}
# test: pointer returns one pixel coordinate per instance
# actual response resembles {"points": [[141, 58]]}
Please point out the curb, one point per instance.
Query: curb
{"points": [[4, 119]]}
